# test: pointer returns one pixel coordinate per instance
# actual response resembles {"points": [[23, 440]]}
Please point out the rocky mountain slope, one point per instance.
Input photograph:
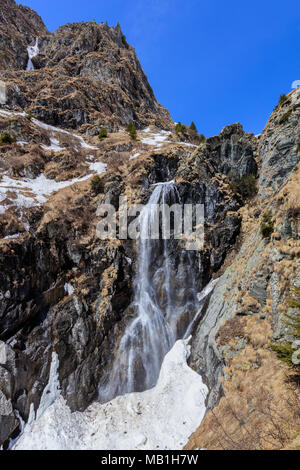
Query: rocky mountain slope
{"points": [[86, 75], [64, 293]]}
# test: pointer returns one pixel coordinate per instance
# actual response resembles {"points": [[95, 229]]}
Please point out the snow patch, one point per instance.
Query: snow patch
{"points": [[10, 237], [54, 145], [21, 142], [155, 138], [32, 192], [132, 157], [161, 418], [98, 167], [69, 289], [52, 129], [52, 390]]}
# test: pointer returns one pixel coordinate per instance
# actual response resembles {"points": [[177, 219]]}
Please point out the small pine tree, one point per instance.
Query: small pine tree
{"points": [[193, 126], [97, 185], [29, 115], [202, 138], [6, 138], [130, 126], [133, 134], [267, 225], [103, 133], [131, 129], [245, 186], [179, 128], [282, 99]]}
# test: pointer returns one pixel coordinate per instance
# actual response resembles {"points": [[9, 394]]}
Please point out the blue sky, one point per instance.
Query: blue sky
{"points": [[215, 62]]}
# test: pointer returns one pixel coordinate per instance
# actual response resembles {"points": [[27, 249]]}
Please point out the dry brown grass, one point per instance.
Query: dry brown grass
{"points": [[235, 327], [260, 411]]}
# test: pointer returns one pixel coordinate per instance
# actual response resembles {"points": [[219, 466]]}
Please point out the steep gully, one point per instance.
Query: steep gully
{"points": [[162, 313]]}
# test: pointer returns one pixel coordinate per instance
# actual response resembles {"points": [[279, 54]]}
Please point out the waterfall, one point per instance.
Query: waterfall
{"points": [[165, 305], [33, 51]]}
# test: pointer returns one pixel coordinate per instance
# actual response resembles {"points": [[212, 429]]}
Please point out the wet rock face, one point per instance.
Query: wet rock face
{"points": [[39, 317], [19, 26]]}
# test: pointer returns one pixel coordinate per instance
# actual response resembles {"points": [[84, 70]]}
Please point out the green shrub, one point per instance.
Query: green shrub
{"points": [[130, 126], [245, 186], [285, 351], [193, 126], [97, 185], [29, 115], [124, 41], [133, 134], [179, 128], [267, 225], [6, 138], [103, 133], [131, 129], [282, 99], [285, 117], [202, 138]]}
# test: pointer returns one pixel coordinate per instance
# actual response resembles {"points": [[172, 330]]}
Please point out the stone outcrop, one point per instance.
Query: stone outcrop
{"points": [[233, 152]]}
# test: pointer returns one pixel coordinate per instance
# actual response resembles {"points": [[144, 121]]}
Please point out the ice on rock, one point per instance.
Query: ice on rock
{"points": [[33, 51], [69, 289], [161, 418]]}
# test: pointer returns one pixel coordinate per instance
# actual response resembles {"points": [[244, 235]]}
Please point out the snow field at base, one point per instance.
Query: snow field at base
{"points": [[161, 418]]}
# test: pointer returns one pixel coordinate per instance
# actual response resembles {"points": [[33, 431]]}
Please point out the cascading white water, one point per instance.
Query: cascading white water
{"points": [[165, 305], [33, 51]]}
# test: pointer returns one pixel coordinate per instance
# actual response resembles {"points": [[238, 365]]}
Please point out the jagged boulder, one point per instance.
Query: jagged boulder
{"points": [[233, 151]]}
